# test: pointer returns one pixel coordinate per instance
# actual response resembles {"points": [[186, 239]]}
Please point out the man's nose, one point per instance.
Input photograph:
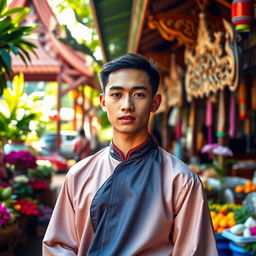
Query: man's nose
{"points": [[128, 104]]}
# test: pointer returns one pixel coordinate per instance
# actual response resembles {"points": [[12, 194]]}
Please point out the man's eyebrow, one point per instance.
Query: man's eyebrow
{"points": [[116, 87]]}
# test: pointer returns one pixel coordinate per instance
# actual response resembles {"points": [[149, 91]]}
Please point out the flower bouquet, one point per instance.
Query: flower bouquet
{"points": [[219, 155], [19, 162]]}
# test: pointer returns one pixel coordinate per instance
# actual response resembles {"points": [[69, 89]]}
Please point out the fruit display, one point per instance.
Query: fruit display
{"points": [[247, 188], [223, 216]]}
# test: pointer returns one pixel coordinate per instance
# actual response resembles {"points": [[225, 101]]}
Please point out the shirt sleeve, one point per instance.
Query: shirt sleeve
{"points": [[192, 232], [60, 238]]}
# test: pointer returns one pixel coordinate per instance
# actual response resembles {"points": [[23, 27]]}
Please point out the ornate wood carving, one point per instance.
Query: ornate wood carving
{"points": [[173, 83], [214, 64], [182, 28], [161, 59]]}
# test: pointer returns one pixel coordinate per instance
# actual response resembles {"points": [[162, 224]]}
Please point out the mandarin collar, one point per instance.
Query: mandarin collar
{"points": [[139, 151]]}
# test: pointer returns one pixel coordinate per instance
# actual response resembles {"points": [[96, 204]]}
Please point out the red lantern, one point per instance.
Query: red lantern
{"points": [[242, 14]]}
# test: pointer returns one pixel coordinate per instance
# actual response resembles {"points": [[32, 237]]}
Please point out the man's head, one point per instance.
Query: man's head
{"points": [[81, 132], [131, 61], [129, 94]]}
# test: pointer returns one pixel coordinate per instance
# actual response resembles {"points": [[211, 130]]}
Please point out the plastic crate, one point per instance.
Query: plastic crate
{"points": [[238, 250], [222, 245]]}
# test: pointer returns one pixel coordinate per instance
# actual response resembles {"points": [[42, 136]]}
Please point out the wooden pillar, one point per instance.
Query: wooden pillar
{"points": [[83, 107], [58, 138], [75, 117]]}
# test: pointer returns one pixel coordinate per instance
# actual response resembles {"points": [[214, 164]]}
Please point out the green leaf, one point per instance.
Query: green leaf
{"points": [[25, 54], [14, 49], [13, 36], [20, 16], [2, 83], [13, 10], [241, 215], [6, 57], [5, 25], [7, 69], [3, 5], [23, 58]]}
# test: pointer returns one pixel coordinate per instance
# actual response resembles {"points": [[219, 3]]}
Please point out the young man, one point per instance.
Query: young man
{"points": [[131, 198]]}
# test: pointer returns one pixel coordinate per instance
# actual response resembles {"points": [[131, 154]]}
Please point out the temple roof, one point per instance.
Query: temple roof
{"points": [[56, 55]]}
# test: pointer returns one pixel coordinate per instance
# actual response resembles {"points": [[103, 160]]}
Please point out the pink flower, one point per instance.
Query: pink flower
{"points": [[222, 150], [208, 148], [253, 231], [5, 215]]}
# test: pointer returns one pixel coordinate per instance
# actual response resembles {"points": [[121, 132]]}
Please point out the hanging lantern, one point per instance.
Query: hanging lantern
{"points": [[242, 14]]}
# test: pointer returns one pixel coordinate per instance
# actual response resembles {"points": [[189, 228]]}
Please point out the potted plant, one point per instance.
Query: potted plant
{"points": [[8, 224], [17, 110]]}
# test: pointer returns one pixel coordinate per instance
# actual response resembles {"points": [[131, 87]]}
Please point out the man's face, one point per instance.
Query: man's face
{"points": [[128, 101]]}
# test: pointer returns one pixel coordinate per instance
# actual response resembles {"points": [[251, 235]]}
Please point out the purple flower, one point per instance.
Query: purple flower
{"points": [[21, 159], [222, 150], [208, 148], [4, 184], [5, 215]]}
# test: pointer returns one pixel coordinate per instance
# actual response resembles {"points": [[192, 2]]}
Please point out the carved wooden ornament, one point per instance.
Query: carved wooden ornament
{"points": [[214, 63], [173, 84]]}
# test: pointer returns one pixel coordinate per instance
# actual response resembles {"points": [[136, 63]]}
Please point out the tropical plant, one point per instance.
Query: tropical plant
{"points": [[12, 39], [83, 17], [17, 110]]}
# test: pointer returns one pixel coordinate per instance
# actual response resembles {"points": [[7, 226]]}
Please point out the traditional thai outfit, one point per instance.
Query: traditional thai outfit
{"points": [[149, 204]]}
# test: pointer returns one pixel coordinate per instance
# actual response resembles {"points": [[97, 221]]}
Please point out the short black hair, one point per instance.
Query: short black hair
{"points": [[81, 132], [131, 61]]}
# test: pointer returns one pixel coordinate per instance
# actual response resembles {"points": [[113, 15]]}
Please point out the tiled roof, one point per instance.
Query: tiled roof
{"points": [[42, 63]]}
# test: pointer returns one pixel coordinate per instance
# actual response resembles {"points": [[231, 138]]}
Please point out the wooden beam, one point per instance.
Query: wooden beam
{"points": [[94, 14], [80, 81], [225, 3], [137, 20]]}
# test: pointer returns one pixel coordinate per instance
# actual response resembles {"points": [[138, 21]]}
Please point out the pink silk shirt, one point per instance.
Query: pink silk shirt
{"points": [[148, 204]]}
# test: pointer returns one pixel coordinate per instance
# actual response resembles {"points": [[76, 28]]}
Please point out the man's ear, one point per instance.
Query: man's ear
{"points": [[102, 102], [157, 99]]}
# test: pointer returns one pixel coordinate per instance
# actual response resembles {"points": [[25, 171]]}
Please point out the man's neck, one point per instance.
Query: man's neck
{"points": [[125, 142]]}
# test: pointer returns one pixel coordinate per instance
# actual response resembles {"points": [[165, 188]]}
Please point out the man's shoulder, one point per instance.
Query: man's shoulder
{"points": [[175, 165], [89, 161]]}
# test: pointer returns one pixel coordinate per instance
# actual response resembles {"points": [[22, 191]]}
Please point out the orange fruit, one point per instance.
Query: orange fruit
{"points": [[247, 190], [239, 189], [219, 230], [231, 223], [230, 215], [224, 223], [213, 214], [248, 183]]}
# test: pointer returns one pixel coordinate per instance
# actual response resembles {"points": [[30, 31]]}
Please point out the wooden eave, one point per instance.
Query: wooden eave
{"points": [[112, 18]]}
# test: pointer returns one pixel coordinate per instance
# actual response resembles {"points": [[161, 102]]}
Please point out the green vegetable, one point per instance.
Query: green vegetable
{"points": [[241, 215]]}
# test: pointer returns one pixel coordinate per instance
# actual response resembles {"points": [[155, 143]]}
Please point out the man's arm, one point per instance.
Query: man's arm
{"points": [[192, 232], [60, 238]]}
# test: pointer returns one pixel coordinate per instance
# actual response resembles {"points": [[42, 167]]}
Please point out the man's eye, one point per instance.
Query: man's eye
{"points": [[115, 94], [139, 95]]}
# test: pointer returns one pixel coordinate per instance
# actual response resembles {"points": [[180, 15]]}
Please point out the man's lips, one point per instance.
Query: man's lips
{"points": [[127, 117]]}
